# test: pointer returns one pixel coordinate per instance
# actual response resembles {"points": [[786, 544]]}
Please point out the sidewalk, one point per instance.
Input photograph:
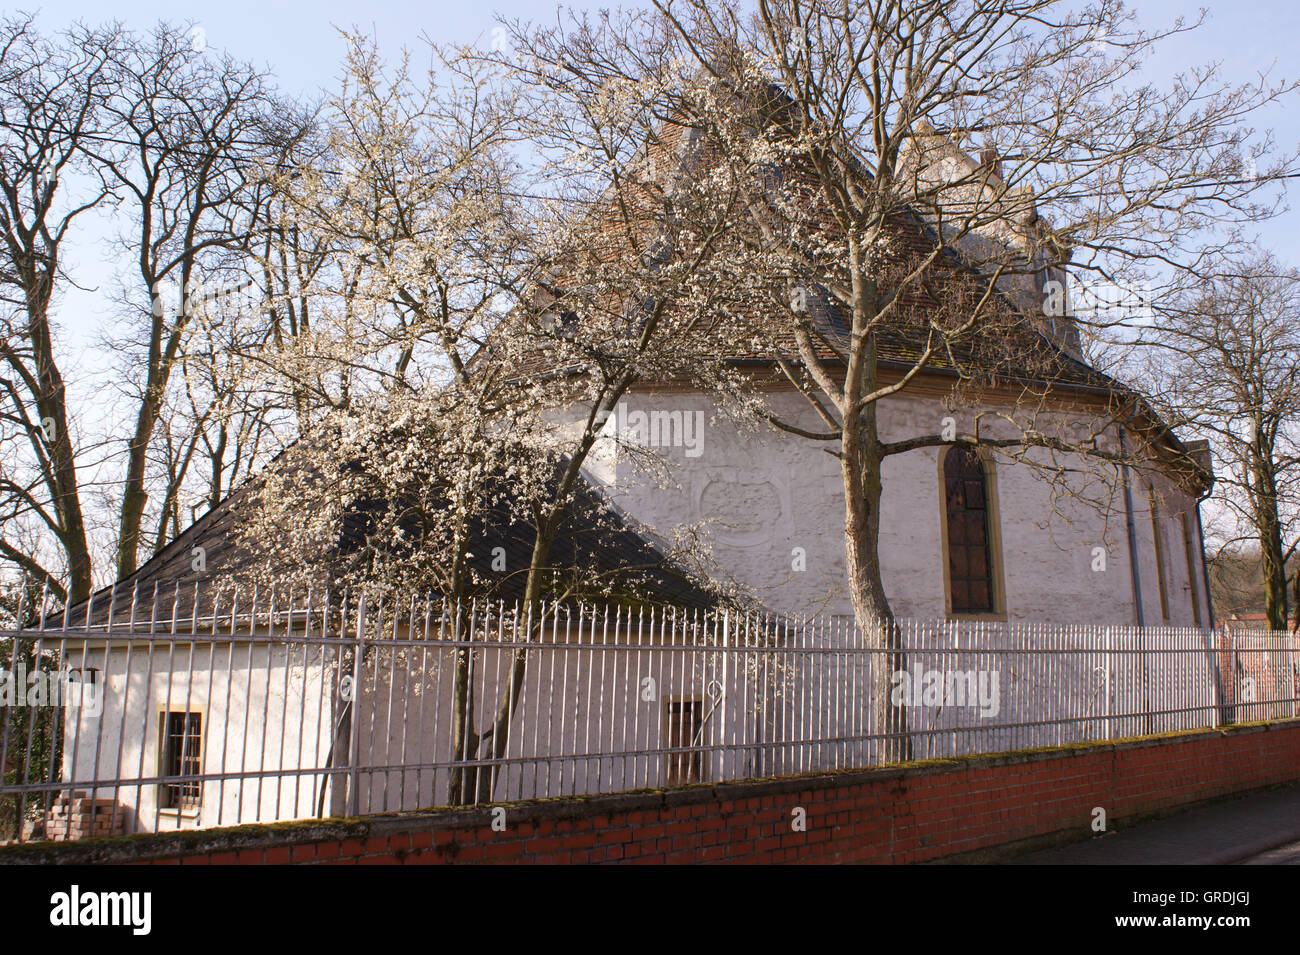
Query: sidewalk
{"points": [[1232, 831]]}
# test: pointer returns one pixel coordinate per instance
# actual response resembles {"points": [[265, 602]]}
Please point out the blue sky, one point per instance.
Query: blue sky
{"points": [[300, 39]]}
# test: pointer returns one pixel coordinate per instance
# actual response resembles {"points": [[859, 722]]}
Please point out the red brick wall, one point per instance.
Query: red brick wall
{"points": [[915, 813]]}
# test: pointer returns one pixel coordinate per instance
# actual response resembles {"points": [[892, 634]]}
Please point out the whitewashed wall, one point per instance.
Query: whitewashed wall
{"points": [[761, 494], [263, 707], [758, 496]]}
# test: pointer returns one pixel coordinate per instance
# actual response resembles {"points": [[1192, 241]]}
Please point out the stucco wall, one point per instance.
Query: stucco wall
{"points": [[263, 707], [758, 495]]}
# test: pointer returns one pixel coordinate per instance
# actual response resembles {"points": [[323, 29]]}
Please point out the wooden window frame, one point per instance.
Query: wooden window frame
{"points": [[693, 761], [167, 799], [994, 531]]}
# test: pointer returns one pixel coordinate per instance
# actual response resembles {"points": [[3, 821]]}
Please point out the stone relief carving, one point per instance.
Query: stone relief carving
{"points": [[742, 508]]}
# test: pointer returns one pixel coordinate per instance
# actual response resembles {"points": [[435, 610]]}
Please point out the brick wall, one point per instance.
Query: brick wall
{"points": [[973, 808], [77, 817]]}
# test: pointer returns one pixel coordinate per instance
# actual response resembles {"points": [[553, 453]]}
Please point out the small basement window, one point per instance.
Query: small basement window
{"points": [[685, 722], [181, 755]]}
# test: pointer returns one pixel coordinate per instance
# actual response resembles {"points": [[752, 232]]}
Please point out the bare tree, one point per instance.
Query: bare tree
{"points": [[223, 416], [192, 133], [1225, 362], [52, 93]]}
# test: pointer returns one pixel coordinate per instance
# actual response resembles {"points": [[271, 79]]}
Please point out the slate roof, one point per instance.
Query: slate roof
{"points": [[596, 540]]}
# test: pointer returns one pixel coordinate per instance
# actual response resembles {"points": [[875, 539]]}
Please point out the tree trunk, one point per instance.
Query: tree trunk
{"points": [[461, 785], [1268, 526], [860, 469], [51, 405], [499, 733], [1275, 596], [134, 495]]}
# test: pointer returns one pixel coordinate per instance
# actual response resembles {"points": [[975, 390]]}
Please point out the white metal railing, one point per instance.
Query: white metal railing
{"points": [[222, 708]]}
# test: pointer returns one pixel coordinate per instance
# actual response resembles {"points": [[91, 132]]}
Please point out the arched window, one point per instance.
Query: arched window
{"points": [[970, 554]]}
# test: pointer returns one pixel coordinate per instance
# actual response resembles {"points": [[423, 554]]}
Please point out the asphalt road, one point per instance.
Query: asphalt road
{"points": [[1260, 829]]}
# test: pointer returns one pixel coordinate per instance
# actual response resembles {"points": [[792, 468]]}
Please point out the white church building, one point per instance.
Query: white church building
{"points": [[220, 720]]}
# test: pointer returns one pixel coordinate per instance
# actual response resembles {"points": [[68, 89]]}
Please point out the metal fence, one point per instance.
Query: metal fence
{"points": [[231, 708]]}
